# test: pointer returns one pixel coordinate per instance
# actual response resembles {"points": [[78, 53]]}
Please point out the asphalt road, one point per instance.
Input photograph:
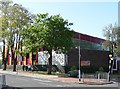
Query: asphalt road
{"points": [[22, 82]]}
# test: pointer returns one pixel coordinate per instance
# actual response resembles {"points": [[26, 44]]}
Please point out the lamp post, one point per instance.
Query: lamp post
{"points": [[79, 65], [79, 59]]}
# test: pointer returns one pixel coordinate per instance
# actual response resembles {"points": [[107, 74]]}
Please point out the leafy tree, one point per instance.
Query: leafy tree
{"points": [[118, 41], [4, 5], [15, 19], [49, 32], [19, 19], [112, 35]]}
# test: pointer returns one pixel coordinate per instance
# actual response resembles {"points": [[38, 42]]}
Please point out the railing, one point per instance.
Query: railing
{"points": [[103, 76], [97, 77]]}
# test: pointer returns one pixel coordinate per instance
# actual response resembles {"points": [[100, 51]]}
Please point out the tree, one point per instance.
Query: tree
{"points": [[112, 35], [13, 20], [49, 32], [19, 19], [118, 41], [4, 5]]}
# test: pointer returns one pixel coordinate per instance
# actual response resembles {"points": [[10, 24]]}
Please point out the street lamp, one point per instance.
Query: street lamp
{"points": [[79, 65], [79, 59]]}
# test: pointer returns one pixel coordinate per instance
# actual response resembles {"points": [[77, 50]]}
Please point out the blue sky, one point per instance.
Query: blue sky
{"points": [[87, 17]]}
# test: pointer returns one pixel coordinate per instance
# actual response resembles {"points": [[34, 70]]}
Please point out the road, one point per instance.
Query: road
{"points": [[22, 81]]}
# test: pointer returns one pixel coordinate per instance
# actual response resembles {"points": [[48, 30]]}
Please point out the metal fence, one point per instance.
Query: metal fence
{"points": [[104, 76], [97, 77]]}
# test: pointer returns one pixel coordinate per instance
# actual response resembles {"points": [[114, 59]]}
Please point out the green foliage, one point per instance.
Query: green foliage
{"points": [[14, 18], [52, 33], [112, 34], [49, 32], [101, 69], [73, 68], [4, 5], [73, 73], [67, 69]]}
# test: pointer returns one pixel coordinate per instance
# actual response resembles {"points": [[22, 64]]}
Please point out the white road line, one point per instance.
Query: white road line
{"points": [[45, 82], [42, 80], [19, 78], [59, 85]]}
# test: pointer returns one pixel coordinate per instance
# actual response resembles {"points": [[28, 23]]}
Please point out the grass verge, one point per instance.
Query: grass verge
{"points": [[53, 73]]}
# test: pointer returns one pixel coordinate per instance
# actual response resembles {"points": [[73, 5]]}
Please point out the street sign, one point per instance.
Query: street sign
{"points": [[85, 63]]}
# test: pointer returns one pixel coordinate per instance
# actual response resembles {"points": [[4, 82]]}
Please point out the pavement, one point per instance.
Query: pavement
{"points": [[90, 81]]}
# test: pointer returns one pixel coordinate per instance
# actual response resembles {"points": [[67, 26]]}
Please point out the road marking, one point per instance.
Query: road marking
{"points": [[21, 79], [59, 85], [42, 80]]}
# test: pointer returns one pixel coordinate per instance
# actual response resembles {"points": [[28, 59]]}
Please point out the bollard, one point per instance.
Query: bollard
{"points": [[83, 77], [98, 76], [108, 77], [2, 80]]}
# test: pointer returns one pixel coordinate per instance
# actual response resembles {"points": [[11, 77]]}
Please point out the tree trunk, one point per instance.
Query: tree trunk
{"points": [[15, 56], [4, 59], [14, 61], [49, 69], [21, 51], [5, 65], [14, 64]]}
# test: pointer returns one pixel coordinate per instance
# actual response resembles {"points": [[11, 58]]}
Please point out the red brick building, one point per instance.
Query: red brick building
{"points": [[92, 54]]}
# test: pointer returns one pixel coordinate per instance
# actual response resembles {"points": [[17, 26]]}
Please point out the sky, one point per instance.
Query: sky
{"points": [[88, 16]]}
